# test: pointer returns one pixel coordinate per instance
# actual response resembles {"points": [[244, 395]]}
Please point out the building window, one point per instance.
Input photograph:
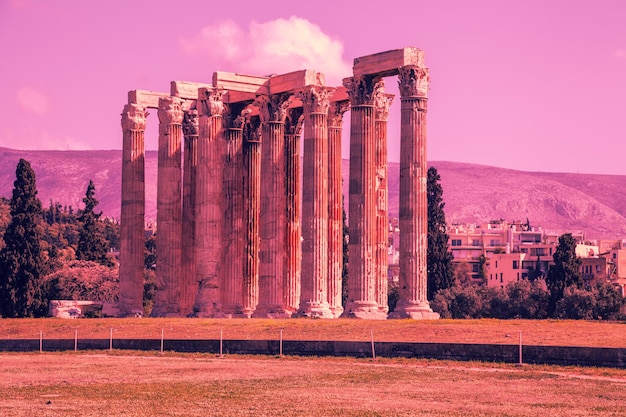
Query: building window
{"points": [[494, 242], [496, 264], [540, 252], [501, 277], [475, 268], [475, 242], [516, 265], [456, 242]]}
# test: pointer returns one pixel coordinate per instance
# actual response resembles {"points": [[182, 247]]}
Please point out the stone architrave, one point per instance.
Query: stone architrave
{"points": [[188, 285], [335, 207], [252, 134], [382, 104], [314, 284], [132, 211], [362, 299], [272, 220], [169, 208], [234, 223], [209, 203], [412, 303], [293, 245]]}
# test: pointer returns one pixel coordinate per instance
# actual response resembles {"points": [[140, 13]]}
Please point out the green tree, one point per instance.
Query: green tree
{"points": [[23, 262], [439, 259], [564, 273], [92, 245]]}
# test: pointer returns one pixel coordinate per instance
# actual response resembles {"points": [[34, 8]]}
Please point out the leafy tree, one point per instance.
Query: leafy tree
{"points": [[23, 262], [609, 301], [564, 273], [92, 246], [576, 303], [84, 280], [439, 259]]}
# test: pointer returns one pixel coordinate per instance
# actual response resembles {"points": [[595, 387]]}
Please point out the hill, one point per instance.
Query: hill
{"points": [[472, 193]]}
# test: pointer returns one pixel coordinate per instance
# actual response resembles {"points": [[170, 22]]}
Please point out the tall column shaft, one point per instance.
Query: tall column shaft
{"points": [[293, 245], [272, 226], [335, 208], [132, 211], [169, 209], [252, 198], [383, 102], [189, 286], [362, 284], [314, 285], [413, 82], [209, 207]]}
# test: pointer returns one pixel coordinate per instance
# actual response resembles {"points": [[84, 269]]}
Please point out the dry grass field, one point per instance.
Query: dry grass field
{"points": [[137, 384], [534, 332]]}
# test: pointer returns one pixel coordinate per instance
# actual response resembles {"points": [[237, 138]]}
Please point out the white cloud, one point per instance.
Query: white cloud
{"points": [[620, 54], [33, 139], [32, 100], [273, 47]]}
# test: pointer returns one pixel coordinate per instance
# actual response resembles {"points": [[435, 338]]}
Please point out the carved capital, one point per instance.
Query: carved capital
{"points": [[211, 101], [413, 81], [235, 115], [170, 110], [293, 121], [273, 108], [190, 123], [361, 89], [336, 111], [315, 99], [252, 131], [134, 117], [382, 102]]}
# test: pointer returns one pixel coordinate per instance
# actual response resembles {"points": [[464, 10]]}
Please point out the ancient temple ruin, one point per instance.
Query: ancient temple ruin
{"points": [[240, 232]]}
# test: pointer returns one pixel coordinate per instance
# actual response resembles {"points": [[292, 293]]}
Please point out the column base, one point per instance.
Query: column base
{"points": [[421, 311], [336, 311], [272, 312], [315, 311], [365, 310]]}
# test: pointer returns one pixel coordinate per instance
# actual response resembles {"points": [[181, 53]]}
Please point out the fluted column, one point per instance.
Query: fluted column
{"points": [[362, 300], [382, 104], [235, 217], [272, 221], [169, 209], [335, 207], [133, 210], [188, 285], [314, 285], [252, 185], [293, 245], [413, 83], [209, 204]]}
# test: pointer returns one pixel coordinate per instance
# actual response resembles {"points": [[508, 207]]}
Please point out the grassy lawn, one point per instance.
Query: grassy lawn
{"points": [[139, 384], [534, 332]]}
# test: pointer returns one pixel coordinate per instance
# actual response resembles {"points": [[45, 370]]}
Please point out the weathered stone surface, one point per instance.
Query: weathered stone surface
{"points": [[294, 81], [241, 82], [385, 64], [145, 98], [187, 89]]}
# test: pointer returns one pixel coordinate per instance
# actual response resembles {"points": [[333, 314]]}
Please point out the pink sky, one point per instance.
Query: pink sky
{"points": [[529, 85]]}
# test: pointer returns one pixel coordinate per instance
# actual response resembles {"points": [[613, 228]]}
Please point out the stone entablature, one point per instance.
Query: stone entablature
{"points": [[233, 240]]}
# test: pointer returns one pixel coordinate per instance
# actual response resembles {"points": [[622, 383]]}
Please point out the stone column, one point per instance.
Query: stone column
{"points": [[335, 207], [413, 83], [188, 285], [133, 210], [362, 300], [234, 224], [209, 203], [382, 104], [272, 225], [252, 186], [169, 209], [314, 290], [293, 245]]}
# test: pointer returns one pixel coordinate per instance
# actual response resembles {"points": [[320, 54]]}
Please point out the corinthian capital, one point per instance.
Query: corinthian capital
{"points": [[211, 101], [170, 110], [382, 102], [361, 89], [273, 108], [134, 117], [190, 123], [315, 99], [335, 114], [293, 121], [413, 81]]}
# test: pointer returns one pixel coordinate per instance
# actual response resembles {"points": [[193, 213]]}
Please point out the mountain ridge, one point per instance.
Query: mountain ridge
{"points": [[473, 193]]}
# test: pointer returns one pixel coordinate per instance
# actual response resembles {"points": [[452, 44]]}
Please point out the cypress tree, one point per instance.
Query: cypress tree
{"points": [[439, 259], [22, 261], [565, 272], [92, 245]]}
